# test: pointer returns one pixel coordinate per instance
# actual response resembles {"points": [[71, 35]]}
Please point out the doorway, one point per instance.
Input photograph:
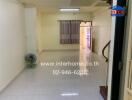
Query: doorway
{"points": [[85, 36], [85, 42]]}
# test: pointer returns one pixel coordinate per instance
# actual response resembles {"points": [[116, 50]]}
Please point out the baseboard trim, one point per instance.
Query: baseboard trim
{"points": [[49, 50]]}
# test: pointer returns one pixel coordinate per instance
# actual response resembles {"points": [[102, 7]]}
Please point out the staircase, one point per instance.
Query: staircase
{"points": [[104, 89]]}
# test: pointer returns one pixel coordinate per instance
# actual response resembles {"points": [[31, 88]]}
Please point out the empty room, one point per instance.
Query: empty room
{"points": [[65, 50]]}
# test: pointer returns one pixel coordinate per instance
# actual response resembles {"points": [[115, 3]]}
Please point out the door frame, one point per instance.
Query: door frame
{"points": [[116, 50]]}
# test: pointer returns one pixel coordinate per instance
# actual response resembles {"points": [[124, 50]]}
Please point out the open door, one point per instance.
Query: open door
{"points": [[116, 51]]}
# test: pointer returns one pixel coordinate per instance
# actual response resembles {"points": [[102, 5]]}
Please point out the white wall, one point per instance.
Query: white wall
{"points": [[12, 41], [101, 29], [31, 29], [49, 35]]}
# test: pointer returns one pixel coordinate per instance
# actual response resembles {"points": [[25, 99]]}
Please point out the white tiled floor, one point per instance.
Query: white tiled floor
{"points": [[41, 84]]}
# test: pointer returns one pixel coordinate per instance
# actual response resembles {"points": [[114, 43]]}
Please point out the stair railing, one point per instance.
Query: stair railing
{"points": [[103, 51]]}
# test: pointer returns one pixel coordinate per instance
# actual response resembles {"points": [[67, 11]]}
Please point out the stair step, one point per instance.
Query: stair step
{"points": [[104, 91]]}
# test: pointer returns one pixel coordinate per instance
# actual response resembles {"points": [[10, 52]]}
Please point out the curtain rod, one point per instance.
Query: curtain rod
{"points": [[74, 20]]}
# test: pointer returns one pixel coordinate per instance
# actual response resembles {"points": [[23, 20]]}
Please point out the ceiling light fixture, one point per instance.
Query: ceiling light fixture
{"points": [[69, 94], [69, 10]]}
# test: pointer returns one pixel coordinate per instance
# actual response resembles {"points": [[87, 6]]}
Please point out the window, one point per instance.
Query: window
{"points": [[69, 31]]}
